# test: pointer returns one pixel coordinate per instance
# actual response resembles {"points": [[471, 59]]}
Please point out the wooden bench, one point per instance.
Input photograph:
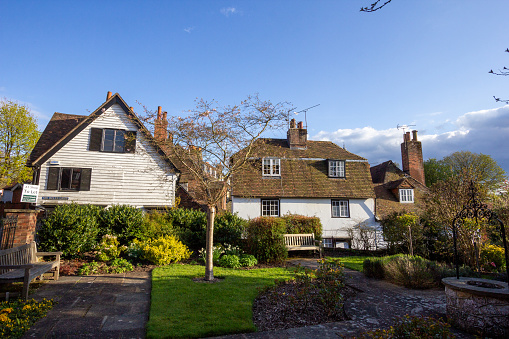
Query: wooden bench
{"points": [[302, 242], [20, 264]]}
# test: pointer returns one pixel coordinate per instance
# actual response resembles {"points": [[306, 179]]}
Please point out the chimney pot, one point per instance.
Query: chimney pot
{"points": [[414, 135], [131, 108], [292, 123], [108, 96], [159, 109], [406, 136], [300, 125]]}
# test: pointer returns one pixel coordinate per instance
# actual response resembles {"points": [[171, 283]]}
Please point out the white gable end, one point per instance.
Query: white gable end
{"points": [[140, 179]]}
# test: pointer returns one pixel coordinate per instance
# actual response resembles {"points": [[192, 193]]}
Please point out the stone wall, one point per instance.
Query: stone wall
{"points": [[483, 315]]}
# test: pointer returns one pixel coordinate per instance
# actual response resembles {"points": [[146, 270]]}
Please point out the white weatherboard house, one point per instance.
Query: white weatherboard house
{"points": [[105, 158], [311, 178]]}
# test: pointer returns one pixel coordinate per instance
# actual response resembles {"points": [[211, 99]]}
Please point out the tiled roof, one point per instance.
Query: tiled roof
{"points": [[304, 173], [59, 125], [387, 179]]}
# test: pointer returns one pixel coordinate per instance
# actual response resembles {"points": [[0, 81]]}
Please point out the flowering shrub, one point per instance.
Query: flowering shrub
{"points": [[134, 251], [413, 327], [492, 257], [217, 251], [164, 250], [16, 317], [109, 249], [329, 279]]}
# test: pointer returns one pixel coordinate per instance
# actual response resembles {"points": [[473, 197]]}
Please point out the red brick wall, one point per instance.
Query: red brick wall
{"points": [[411, 156], [25, 230]]}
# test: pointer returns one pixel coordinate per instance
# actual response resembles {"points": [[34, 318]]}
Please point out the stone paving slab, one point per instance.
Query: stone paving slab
{"points": [[102, 306]]}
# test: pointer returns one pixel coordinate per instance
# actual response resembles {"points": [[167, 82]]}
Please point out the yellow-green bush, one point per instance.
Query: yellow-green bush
{"points": [[492, 257], [164, 250]]}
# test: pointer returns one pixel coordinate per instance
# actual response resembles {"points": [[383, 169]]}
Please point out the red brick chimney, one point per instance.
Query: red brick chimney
{"points": [[108, 96], [160, 125], [297, 135], [411, 155]]}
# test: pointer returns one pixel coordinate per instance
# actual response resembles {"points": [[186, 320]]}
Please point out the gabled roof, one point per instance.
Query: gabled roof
{"points": [[59, 125], [304, 173], [64, 127]]}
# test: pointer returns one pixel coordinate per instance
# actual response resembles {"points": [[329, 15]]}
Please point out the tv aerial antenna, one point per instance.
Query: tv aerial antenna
{"points": [[404, 127], [305, 110]]}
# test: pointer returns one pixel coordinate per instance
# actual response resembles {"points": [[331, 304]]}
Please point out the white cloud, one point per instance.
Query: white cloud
{"points": [[485, 131], [188, 29], [2, 88], [227, 11]]}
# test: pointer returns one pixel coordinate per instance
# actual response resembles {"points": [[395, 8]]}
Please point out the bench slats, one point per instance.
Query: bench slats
{"points": [[21, 264], [301, 242]]}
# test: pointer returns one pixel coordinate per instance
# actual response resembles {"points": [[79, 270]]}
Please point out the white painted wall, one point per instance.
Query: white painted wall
{"points": [[361, 211], [139, 179]]}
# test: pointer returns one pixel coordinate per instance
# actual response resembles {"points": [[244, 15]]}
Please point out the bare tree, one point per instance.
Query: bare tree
{"points": [[375, 6], [206, 140], [504, 72]]}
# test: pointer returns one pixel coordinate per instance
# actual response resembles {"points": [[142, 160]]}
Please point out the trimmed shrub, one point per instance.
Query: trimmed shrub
{"points": [[124, 221], [190, 226], [108, 249], [156, 224], [265, 239], [230, 261], [373, 268], [228, 229], [164, 250], [72, 229], [296, 224], [412, 272], [248, 260]]}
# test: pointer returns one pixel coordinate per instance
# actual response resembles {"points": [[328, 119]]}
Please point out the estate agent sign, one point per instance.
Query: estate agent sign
{"points": [[30, 193]]}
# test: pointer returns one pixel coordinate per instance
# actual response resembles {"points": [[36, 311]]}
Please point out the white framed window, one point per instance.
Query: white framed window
{"points": [[271, 167], [337, 168], [327, 242], [406, 195], [340, 209], [270, 208]]}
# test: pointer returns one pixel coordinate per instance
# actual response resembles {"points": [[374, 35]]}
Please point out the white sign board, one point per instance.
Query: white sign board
{"points": [[30, 193]]}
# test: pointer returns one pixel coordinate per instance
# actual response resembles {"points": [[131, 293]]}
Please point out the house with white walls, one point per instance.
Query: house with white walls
{"points": [[311, 178], [105, 158]]}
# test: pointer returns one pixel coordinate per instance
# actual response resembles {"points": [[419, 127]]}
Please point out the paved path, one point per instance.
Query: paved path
{"points": [[375, 306], [103, 306], [117, 306]]}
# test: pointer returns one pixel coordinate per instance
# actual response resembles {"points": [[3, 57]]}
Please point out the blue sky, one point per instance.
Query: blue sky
{"points": [[422, 63]]}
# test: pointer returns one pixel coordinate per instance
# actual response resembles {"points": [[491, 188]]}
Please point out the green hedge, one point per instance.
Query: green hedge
{"points": [[265, 239], [72, 229], [300, 224]]}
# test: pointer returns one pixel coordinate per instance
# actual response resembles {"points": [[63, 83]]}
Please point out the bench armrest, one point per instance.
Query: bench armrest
{"points": [[46, 254], [12, 267]]}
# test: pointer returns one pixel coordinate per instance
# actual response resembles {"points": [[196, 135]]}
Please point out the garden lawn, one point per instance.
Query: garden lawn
{"points": [[353, 263], [182, 308]]}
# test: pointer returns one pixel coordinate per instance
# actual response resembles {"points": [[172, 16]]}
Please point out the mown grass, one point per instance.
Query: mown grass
{"points": [[182, 308], [353, 263]]}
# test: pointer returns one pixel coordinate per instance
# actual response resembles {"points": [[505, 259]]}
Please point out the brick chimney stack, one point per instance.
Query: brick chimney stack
{"points": [[108, 96], [160, 125], [297, 135], [411, 155]]}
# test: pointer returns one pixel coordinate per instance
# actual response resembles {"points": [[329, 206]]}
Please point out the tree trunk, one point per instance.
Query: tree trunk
{"points": [[410, 240], [209, 264]]}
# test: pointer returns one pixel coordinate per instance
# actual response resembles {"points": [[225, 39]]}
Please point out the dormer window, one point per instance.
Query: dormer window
{"points": [[336, 168], [406, 195], [271, 167]]}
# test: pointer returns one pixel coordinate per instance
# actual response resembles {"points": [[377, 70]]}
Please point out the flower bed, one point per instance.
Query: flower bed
{"points": [[16, 317]]}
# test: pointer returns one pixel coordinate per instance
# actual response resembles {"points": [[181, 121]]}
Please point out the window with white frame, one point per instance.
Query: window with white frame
{"points": [[340, 209], [271, 167], [406, 195], [327, 242], [270, 208], [337, 168]]}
